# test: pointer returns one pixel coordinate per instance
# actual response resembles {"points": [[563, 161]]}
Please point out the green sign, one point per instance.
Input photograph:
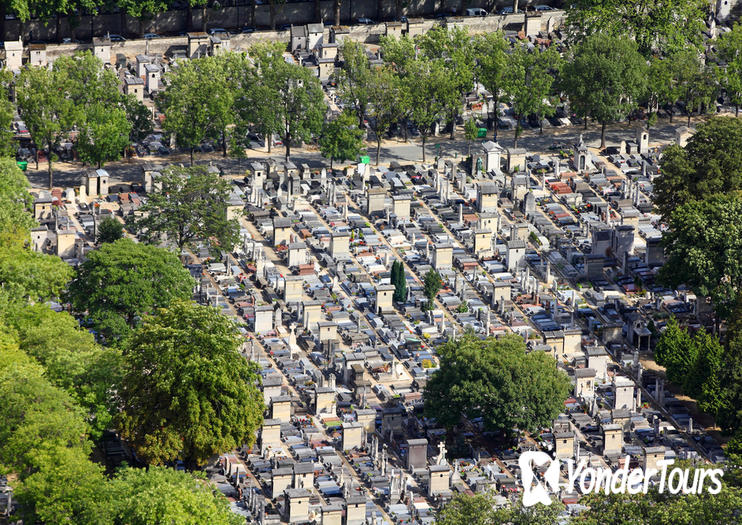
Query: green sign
{"points": [[365, 159], [481, 133], [22, 164]]}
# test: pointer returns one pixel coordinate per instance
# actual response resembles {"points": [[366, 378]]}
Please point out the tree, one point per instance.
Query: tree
{"points": [[711, 163], [696, 81], [703, 248], [384, 93], [103, 135], [528, 82], [432, 284], [70, 357], [491, 62], [341, 139], [354, 77], [122, 281], [109, 230], [661, 89], [45, 109], [453, 49], [184, 103], [139, 116], [192, 350], [66, 488], [164, 495], [399, 281], [729, 410], [429, 88], [729, 51], [675, 351], [190, 205], [662, 26], [481, 509], [607, 76], [7, 110], [498, 381], [471, 132]]}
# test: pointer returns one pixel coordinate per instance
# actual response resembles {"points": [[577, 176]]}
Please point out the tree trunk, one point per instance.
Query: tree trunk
{"points": [[224, 144], [318, 11], [515, 6], [602, 135], [203, 18], [192, 156], [736, 110], [406, 131], [671, 114], [453, 125], [37, 159], [338, 3], [272, 11], [689, 115], [585, 122], [423, 135], [189, 17], [397, 9], [3, 10], [378, 149], [58, 29], [379, 9], [253, 5], [517, 132], [287, 145], [51, 170], [468, 148]]}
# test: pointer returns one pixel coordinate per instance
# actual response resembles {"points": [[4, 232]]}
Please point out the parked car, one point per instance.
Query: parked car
{"points": [[150, 36], [116, 38], [365, 21], [217, 30], [505, 11], [543, 8], [475, 11]]}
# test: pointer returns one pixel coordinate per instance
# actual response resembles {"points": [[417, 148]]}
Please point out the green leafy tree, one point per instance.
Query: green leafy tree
{"points": [[529, 83], [703, 249], [432, 284], [497, 380], [109, 230], [140, 118], [697, 83], [703, 381], [71, 359], [429, 89], [188, 206], [354, 77], [481, 509], [193, 351], [7, 110], [24, 273], [45, 109], [661, 89], [729, 51], [491, 63], [399, 281], [471, 132], [662, 26], [184, 103], [711, 163], [164, 495], [341, 139], [729, 410], [454, 50], [384, 94], [103, 135], [122, 281], [66, 488], [675, 351], [607, 76]]}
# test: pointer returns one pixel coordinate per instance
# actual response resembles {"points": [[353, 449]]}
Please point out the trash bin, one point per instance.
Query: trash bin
{"points": [[22, 164]]}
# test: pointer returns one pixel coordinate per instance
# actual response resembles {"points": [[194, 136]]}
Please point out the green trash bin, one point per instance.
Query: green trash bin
{"points": [[22, 164], [481, 133], [365, 159]]}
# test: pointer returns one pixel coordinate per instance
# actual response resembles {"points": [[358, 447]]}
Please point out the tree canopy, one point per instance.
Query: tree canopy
{"points": [[122, 281], [341, 138], [711, 163], [703, 248], [189, 205], [187, 392], [605, 77], [497, 380]]}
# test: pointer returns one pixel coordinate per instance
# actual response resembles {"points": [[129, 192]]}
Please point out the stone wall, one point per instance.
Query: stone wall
{"points": [[360, 33], [81, 27]]}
